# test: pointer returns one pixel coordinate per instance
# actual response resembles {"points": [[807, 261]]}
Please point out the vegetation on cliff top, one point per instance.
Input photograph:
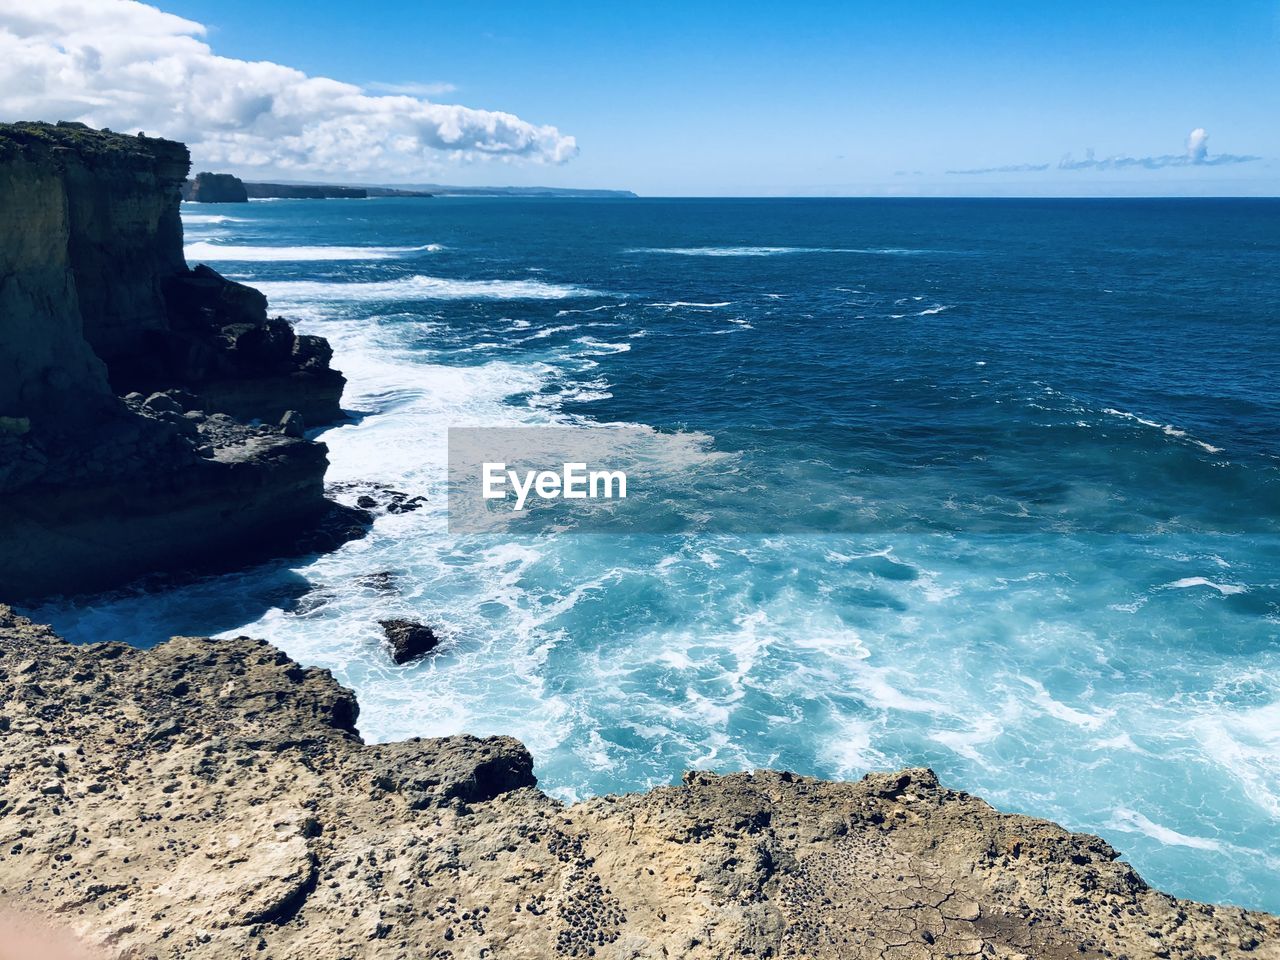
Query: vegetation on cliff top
{"points": [[54, 140]]}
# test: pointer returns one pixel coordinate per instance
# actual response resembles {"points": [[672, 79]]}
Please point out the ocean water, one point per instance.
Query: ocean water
{"points": [[1048, 431]]}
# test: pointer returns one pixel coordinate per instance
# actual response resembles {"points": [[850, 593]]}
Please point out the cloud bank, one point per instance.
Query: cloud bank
{"points": [[1196, 155], [1010, 168], [129, 66]]}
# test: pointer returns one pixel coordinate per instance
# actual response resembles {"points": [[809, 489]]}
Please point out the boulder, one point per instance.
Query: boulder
{"points": [[408, 640], [291, 424]]}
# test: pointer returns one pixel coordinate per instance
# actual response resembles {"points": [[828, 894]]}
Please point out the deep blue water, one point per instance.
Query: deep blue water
{"points": [[1082, 396]]}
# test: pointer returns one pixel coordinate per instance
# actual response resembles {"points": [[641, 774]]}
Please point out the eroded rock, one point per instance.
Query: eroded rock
{"points": [[408, 640]]}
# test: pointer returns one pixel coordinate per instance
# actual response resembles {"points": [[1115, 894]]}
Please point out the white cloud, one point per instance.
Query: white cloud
{"points": [[129, 66], [414, 89], [1197, 155], [1198, 145]]}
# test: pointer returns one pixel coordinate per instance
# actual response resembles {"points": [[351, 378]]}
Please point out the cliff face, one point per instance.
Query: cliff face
{"points": [[108, 218], [96, 302], [124, 235], [212, 800], [48, 372]]}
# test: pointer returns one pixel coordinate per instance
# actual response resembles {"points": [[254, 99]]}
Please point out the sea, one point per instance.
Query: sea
{"points": [[1005, 474]]}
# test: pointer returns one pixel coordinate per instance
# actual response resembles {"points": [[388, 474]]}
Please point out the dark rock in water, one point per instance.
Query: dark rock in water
{"points": [[374, 496], [384, 581], [408, 639], [334, 527], [403, 503], [215, 188], [309, 603], [96, 301]]}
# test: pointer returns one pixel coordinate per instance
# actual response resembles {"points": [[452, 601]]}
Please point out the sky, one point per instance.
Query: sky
{"points": [[691, 98]]}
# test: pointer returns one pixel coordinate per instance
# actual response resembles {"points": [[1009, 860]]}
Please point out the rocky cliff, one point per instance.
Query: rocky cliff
{"points": [[98, 305], [213, 799]]}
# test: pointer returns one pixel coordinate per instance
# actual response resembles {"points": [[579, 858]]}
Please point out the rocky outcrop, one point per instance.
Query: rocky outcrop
{"points": [[213, 799], [96, 302], [223, 345], [215, 188], [157, 486], [408, 640]]}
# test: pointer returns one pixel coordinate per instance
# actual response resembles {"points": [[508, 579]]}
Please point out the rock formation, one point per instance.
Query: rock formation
{"points": [[212, 799], [408, 640], [97, 302], [215, 188]]}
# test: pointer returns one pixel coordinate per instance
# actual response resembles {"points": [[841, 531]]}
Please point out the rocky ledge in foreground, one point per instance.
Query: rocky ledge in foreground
{"points": [[212, 799]]}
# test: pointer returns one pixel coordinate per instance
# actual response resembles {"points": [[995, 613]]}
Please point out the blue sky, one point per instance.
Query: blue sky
{"points": [[817, 98]]}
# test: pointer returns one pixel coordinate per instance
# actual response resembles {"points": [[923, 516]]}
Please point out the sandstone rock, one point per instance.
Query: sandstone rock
{"points": [[261, 825], [408, 640]]}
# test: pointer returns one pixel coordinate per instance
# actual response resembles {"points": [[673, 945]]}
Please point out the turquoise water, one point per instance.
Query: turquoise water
{"points": [[1048, 430]]}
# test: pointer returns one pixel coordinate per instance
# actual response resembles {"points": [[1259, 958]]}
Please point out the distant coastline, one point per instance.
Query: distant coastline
{"points": [[208, 187]]}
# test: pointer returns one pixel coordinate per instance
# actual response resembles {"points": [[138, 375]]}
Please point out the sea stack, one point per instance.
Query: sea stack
{"points": [[126, 378], [215, 188]]}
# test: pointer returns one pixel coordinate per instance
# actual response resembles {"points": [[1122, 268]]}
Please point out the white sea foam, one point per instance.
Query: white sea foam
{"points": [[1246, 744], [551, 331], [205, 250], [604, 306], [965, 743], [601, 348], [691, 303], [1087, 720], [1226, 589], [1126, 818], [203, 218], [1167, 429], [767, 251], [418, 288]]}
